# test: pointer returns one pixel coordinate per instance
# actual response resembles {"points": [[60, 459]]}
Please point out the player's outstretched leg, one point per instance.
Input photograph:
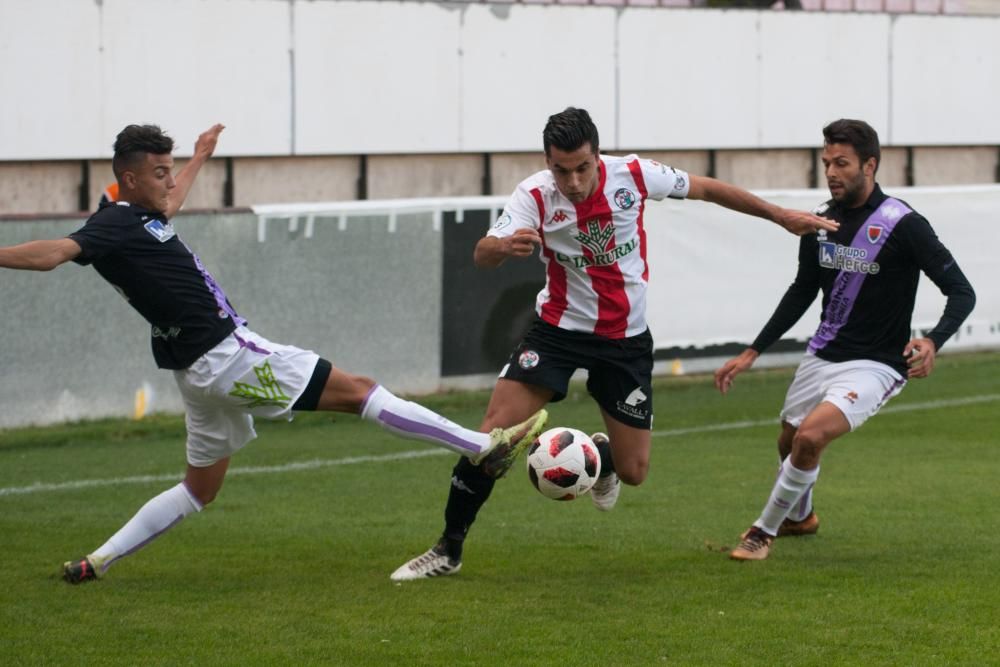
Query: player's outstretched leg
{"points": [[606, 489], [508, 443], [153, 519]]}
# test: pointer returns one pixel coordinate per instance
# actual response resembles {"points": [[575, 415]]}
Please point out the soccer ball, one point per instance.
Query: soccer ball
{"points": [[563, 463]]}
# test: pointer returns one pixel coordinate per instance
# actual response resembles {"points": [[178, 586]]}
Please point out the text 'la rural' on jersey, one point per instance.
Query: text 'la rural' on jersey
{"points": [[139, 253], [596, 272]]}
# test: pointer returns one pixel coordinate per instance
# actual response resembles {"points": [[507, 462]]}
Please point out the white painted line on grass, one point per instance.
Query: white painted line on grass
{"points": [[40, 487]]}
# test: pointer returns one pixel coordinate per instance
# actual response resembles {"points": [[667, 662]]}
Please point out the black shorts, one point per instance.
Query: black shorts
{"points": [[620, 371]]}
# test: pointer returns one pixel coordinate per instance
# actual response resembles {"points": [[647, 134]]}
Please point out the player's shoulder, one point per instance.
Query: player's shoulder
{"points": [[542, 181], [115, 213]]}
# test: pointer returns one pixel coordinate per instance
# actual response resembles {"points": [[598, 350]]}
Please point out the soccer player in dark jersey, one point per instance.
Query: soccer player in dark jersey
{"points": [[585, 212], [862, 354], [226, 373]]}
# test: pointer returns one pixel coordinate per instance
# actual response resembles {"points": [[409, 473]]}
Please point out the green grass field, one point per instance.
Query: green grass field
{"points": [[290, 565]]}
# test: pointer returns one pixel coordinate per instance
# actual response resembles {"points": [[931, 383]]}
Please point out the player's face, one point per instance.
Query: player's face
{"points": [[153, 180], [576, 172], [849, 181]]}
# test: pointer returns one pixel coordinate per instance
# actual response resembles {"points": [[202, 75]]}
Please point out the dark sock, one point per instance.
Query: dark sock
{"points": [[607, 462], [470, 489]]}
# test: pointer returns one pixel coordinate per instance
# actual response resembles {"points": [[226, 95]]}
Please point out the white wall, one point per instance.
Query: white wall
{"points": [[347, 77]]}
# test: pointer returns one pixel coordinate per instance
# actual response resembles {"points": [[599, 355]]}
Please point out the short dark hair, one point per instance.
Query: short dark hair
{"points": [[856, 133], [570, 129], [137, 140]]}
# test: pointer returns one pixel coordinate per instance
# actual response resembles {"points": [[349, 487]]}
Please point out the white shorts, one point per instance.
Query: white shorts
{"points": [[243, 376], [858, 388]]}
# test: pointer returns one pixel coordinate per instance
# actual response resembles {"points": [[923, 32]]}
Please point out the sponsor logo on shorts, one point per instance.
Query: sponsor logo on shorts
{"points": [[852, 396], [162, 231], [528, 359], [631, 406], [624, 198], [268, 393]]}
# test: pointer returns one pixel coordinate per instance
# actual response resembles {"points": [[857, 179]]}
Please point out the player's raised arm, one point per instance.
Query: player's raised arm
{"points": [[738, 199], [204, 147], [39, 255]]}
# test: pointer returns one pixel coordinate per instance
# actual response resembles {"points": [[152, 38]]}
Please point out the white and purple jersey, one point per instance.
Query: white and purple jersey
{"points": [[594, 252], [139, 253]]}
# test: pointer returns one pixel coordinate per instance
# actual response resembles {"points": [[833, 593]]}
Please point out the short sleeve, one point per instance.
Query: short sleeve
{"points": [[521, 212], [663, 181], [99, 236]]}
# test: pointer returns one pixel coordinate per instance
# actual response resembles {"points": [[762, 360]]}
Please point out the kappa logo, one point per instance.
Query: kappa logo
{"points": [[528, 359], [875, 233], [161, 231], [624, 198], [559, 216]]}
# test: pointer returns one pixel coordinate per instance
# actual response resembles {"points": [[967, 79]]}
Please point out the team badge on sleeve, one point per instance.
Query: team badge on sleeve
{"points": [[502, 221]]}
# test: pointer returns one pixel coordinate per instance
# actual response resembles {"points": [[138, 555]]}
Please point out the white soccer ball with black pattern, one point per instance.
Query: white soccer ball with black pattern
{"points": [[563, 463]]}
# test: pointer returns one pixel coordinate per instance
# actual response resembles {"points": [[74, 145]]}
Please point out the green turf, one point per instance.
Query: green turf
{"points": [[290, 568]]}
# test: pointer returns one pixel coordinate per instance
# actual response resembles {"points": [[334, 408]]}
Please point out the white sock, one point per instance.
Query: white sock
{"points": [[804, 507], [792, 484], [152, 520], [411, 420]]}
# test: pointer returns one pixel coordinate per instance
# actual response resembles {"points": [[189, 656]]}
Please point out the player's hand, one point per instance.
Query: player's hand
{"points": [[521, 243], [803, 222], [920, 354], [205, 145], [725, 376]]}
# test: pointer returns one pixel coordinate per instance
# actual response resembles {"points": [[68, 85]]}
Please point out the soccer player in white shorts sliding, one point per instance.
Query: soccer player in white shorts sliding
{"points": [[862, 354], [226, 373], [586, 213]]}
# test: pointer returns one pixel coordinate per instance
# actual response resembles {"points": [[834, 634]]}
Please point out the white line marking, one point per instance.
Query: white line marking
{"points": [[41, 487]]}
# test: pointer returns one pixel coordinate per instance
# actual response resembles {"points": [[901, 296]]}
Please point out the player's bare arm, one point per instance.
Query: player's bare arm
{"points": [[204, 148], [725, 376], [738, 199], [920, 354], [491, 251], [39, 255]]}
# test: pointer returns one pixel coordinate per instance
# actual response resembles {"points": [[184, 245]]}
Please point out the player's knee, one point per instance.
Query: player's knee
{"points": [[807, 446], [633, 473]]}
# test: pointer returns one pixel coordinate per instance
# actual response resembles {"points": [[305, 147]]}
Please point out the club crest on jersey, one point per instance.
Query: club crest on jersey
{"points": [[528, 359], [875, 233], [161, 231], [624, 198]]}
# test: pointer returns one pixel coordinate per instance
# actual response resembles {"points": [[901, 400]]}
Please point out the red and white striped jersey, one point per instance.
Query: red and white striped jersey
{"points": [[595, 251]]}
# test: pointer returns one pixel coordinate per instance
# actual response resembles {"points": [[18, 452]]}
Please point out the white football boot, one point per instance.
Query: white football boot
{"points": [[433, 563]]}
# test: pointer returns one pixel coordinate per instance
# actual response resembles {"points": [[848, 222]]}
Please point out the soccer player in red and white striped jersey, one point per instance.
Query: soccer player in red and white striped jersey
{"points": [[585, 212]]}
